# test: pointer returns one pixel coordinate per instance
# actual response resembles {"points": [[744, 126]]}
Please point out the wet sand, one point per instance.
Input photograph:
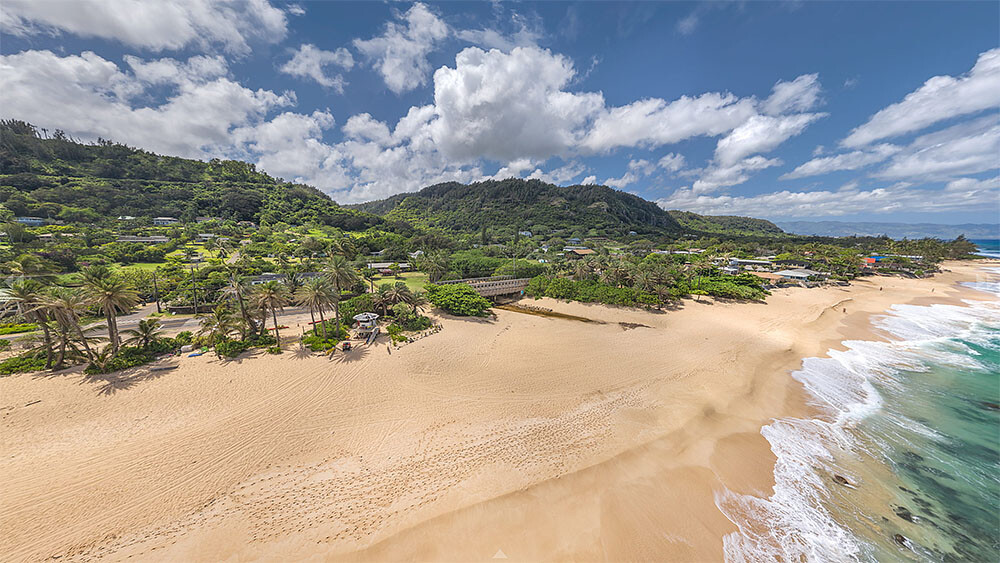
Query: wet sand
{"points": [[529, 437]]}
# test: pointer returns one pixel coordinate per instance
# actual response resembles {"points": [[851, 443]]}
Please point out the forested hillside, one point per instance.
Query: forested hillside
{"points": [[526, 205], [59, 178], [726, 224]]}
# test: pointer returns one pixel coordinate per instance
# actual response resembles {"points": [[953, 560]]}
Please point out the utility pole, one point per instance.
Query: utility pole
{"points": [[156, 293]]}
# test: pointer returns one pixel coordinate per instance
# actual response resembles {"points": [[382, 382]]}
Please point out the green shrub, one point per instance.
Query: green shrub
{"points": [[128, 357], [458, 299], [28, 361], [274, 350], [231, 348], [395, 332], [318, 343], [4, 344], [14, 328]]}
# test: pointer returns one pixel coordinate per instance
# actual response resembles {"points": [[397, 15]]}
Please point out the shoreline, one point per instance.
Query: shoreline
{"points": [[574, 453]]}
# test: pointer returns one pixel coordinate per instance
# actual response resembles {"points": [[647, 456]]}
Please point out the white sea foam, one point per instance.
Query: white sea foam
{"points": [[792, 524]]}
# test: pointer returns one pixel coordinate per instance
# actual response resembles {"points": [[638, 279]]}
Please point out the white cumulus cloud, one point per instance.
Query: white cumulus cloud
{"points": [[400, 53], [940, 98], [156, 26], [309, 62]]}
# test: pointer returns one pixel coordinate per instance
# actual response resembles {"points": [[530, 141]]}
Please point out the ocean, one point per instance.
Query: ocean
{"points": [[904, 461], [987, 247]]}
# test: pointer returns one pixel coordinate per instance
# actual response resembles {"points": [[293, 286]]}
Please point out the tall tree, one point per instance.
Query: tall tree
{"points": [[271, 297], [236, 287], [317, 294], [341, 274], [111, 295], [27, 297], [67, 306]]}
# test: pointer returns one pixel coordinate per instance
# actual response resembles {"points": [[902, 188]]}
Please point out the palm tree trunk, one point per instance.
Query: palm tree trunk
{"points": [[47, 337], [336, 306], [112, 331], [313, 318], [246, 319], [83, 340], [322, 322], [274, 316]]}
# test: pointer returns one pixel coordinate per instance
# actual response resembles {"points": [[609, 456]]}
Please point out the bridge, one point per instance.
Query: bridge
{"points": [[492, 286]]}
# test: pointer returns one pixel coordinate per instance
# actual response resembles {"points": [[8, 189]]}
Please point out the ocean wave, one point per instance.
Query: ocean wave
{"points": [[794, 524]]}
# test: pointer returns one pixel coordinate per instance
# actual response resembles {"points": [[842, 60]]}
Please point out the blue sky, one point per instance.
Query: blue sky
{"points": [[785, 110]]}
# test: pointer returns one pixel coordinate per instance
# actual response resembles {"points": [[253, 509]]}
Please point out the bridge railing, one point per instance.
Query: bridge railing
{"points": [[471, 281]]}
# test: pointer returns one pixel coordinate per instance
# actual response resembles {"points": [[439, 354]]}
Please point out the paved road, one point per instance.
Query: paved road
{"points": [[179, 323]]}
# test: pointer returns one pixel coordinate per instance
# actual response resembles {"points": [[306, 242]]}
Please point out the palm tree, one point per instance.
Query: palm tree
{"points": [[398, 293], [218, 325], [27, 298], [317, 295], [341, 275], [380, 299], [271, 296], [66, 306], [111, 295], [434, 265], [418, 299], [344, 246], [236, 287], [144, 334], [644, 280]]}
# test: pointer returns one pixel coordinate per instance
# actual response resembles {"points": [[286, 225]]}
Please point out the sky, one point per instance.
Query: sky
{"points": [[860, 111]]}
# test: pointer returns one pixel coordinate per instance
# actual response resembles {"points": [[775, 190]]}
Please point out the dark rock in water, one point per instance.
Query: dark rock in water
{"points": [[900, 539], [923, 503], [841, 480], [905, 490], [936, 472], [913, 456], [991, 406], [903, 513]]}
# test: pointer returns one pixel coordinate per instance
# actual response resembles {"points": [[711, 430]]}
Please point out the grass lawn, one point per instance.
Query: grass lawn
{"points": [[414, 280]]}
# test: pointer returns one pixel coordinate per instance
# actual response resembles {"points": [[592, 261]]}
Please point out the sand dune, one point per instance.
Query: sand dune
{"points": [[525, 436]]}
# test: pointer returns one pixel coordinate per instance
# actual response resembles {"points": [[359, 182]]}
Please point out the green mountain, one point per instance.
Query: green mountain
{"points": [[726, 224], [60, 178], [530, 205]]}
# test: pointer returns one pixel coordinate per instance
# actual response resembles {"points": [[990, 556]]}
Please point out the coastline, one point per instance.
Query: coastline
{"points": [[538, 438]]}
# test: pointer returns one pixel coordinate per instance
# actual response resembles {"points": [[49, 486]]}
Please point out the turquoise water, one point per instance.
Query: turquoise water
{"points": [[987, 247], [904, 463]]}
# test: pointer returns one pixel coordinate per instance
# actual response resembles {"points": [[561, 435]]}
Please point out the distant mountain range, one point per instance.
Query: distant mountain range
{"points": [[892, 230]]}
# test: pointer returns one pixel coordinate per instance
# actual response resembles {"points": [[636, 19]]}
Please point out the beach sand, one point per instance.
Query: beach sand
{"points": [[524, 437]]}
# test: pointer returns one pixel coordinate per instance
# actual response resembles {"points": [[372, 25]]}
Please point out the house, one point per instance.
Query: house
{"points": [[388, 265], [730, 270], [157, 239], [770, 278], [574, 240], [270, 276], [525, 233], [578, 253], [202, 238], [165, 221], [126, 218], [30, 221], [572, 248], [800, 274], [416, 254]]}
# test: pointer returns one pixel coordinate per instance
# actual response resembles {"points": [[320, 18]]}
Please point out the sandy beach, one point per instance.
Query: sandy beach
{"points": [[525, 437]]}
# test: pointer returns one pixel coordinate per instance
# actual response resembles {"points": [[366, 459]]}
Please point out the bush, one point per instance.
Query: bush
{"points": [[4, 344], [458, 299], [274, 350], [14, 328], [318, 343], [395, 332], [184, 337], [29, 361], [128, 357], [231, 348]]}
